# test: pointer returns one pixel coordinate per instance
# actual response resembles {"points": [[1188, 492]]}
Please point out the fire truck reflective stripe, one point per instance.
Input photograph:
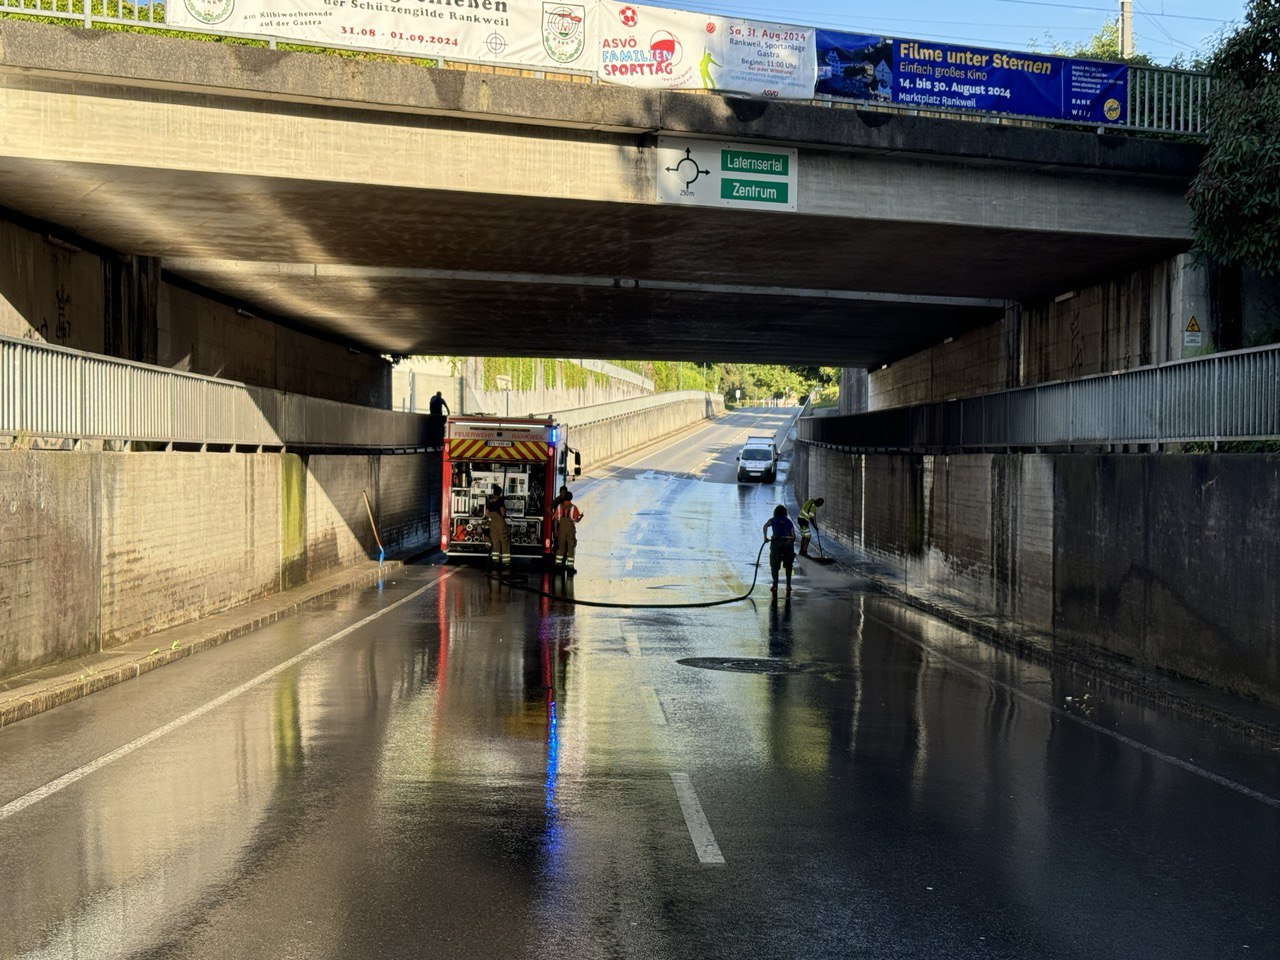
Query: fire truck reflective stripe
{"points": [[536, 451]]}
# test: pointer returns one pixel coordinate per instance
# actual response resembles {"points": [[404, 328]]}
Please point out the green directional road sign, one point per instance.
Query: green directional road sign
{"points": [[755, 191], [750, 161], [709, 173]]}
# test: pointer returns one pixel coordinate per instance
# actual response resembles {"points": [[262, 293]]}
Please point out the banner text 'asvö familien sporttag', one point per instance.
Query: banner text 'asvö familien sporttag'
{"points": [[660, 48]]}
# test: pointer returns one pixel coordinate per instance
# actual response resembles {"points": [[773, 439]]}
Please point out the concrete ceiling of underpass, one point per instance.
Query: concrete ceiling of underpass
{"points": [[412, 271]]}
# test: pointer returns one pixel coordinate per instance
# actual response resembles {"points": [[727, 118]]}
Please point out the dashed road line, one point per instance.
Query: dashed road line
{"points": [[704, 841], [657, 712]]}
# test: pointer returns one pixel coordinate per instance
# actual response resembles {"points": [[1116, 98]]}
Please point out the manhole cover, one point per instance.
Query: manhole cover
{"points": [[761, 665]]}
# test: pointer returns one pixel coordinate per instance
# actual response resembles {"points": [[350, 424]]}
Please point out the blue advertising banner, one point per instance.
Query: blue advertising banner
{"points": [[942, 76]]}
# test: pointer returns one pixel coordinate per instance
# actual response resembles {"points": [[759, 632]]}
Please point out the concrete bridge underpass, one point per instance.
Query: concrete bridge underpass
{"points": [[410, 210]]}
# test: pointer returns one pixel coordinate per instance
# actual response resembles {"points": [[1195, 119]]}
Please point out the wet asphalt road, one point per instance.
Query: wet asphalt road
{"points": [[478, 772]]}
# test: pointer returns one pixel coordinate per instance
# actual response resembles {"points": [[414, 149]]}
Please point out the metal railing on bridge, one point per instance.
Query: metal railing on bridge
{"points": [[51, 392], [1227, 396], [1160, 100]]}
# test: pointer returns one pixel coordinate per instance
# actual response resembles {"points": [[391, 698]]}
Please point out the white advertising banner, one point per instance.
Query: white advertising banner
{"points": [[654, 47], [767, 60], [539, 34]]}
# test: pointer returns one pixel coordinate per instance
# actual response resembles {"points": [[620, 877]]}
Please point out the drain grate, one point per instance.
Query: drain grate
{"points": [[763, 665]]}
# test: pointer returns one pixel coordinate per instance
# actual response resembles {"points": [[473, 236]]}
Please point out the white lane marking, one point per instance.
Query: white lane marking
{"points": [[67, 779], [704, 841], [657, 713], [632, 644], [1089, 724]]}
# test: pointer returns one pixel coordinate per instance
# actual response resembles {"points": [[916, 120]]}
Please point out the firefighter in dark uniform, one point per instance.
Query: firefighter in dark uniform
{"points": [[495, 513], [567, 516]]}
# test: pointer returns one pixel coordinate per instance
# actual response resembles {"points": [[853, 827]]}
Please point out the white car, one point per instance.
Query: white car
{"points": [[758, 461]]}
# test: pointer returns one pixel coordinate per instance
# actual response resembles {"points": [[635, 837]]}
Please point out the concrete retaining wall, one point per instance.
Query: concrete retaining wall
{"points": [[101, 548], [184, 535], [1168, 560], [416, 381], [607, 439], [1173, 560]]}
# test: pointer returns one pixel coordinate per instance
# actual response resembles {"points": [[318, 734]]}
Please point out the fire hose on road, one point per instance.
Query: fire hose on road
{"points": [[521, 582]]}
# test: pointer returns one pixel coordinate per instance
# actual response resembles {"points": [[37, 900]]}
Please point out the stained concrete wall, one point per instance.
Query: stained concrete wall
{"points": [[1174, 560], [200, 335], [54, 292], [50, 544], [974, 529], [101, 548], [50, 292], [971, 363], [1168, 560], [338, 529], [184, 535], [1134, 320]]}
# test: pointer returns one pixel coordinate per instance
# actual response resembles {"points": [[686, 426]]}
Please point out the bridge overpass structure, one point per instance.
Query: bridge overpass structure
{"points": [[407, 210]]}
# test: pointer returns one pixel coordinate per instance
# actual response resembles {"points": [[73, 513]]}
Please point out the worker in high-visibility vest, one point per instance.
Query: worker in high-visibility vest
{"points": [[495, 513], [567, 516], [808, 518]]}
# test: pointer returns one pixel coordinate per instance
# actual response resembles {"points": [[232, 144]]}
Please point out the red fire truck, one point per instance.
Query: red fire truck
{"points": [[526, 460]]}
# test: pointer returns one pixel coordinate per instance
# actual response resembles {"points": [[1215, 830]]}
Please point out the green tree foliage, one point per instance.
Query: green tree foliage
{"points": [[1236, 196], [1103, 45]]}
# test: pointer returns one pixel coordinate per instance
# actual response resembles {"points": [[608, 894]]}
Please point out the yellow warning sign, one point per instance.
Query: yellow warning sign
{"points": [[1192, 337]]}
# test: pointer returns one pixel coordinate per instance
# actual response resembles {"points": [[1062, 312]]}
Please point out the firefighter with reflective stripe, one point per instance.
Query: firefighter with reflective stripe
{"points": [[808, 518], [495, 513], [567, 516]]}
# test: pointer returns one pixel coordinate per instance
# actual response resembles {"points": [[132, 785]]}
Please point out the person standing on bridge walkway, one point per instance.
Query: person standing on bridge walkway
{"points": [[808, 518], [782, 545], [438, 409], [567, 516]]}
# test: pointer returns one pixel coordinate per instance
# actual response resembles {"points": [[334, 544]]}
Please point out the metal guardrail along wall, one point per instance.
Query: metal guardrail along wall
{"points": [[53, 392], [1228, 396], [1161, 100]]}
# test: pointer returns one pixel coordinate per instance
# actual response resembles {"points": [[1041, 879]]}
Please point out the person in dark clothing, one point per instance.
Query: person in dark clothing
{"points": [[564, 496], [782, 545], [495, 513], [438, 410]]}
